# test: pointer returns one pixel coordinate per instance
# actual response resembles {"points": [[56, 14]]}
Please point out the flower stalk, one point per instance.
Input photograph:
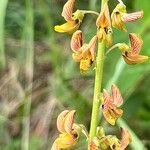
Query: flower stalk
{"points": [[97, 88], [89, 12], [97, 98]]}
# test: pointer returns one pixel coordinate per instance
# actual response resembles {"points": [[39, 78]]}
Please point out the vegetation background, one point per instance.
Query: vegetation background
{"points": [[39, 79]]}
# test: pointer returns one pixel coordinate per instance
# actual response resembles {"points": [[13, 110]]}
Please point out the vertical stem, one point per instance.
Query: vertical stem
{"points": [[3, 6], [29, 48], [97, 87]]}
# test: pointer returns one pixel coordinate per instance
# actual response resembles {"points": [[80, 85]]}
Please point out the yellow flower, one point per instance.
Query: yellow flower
{"points": [[103, 24], [82, 52], [68, 133], [131, 54], [120, 16], [110, 105], [73, 19]]}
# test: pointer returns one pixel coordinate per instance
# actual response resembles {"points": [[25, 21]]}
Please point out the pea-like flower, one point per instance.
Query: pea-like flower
{"points": [[103, 24], [131, 54], [73, 19], [82, 52], [105, 142], [68, 132], [111, 104], [120, 16]]}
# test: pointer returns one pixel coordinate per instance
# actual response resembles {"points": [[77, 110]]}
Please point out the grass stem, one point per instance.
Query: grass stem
{"points": [[28, 46], [3, 6]]}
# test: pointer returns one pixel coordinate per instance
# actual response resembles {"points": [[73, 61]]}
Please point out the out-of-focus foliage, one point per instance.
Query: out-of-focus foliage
{"points": [[57, 82]]}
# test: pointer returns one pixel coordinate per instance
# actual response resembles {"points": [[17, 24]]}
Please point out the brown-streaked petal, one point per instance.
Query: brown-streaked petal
{"points": [[94, 145], [117, 21], [134, 59], [106, 96], [61, 120], [130, 17], [136, 43], [125, 138], [110, 116], [117, 98], [103, 19], [55, 147], [77, 41], [69, 121], [68, 10], [92, 46]]}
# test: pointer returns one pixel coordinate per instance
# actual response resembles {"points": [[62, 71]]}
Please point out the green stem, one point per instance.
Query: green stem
{"points": [[89, 12], [3, 6], [97, 89], [28, 43]]}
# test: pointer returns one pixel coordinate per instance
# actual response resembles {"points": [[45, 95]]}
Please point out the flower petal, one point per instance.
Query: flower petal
{"points": [[77, 56], [69, 121], [69, 27], [134, 59], [94, 145], [117, 98], [125, 138], [112, 113], [106, 96], [117, 21], [136, 43], [65, 141], [85, 64], [103, 19], [61, 120], [130, 17], [77, 41], [92, 46], [68, 10]]}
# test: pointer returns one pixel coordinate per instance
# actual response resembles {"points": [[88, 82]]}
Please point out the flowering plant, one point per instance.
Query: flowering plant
{"points": [[86, 55]]}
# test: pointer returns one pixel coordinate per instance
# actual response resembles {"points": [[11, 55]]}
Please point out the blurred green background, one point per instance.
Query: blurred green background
{"points": [[39, 79]]}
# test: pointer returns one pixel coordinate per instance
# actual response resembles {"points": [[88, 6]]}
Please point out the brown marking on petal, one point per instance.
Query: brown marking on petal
{"points": [[69, 121], [117, 98], [136, 43], [131, 17], [110, 108], [112, 113], [68, 10], [125, 138], [61, 120], [103, 19], [77, 41]]}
